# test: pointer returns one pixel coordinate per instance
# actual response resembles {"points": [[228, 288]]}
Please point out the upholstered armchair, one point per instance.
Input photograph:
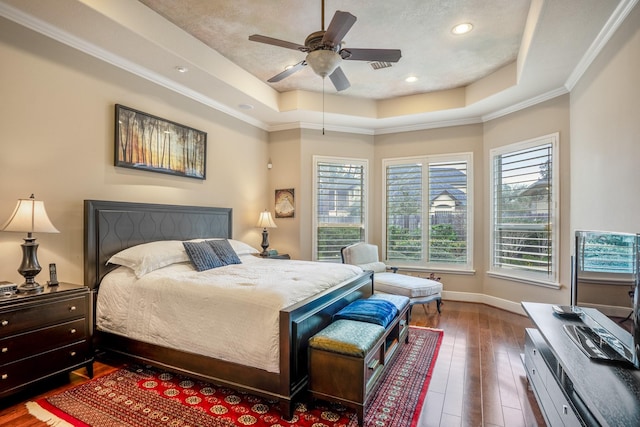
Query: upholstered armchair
{"points": [[418, 289]]}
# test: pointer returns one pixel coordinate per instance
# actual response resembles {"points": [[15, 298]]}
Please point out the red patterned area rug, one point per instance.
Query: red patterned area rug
{"points": [[143, 396]]}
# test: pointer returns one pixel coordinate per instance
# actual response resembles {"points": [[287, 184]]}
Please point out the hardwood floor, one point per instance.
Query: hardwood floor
{"points": [[478, 379]]}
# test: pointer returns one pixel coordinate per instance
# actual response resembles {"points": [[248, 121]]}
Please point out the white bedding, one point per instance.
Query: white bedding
{"points": [[229, 313]]}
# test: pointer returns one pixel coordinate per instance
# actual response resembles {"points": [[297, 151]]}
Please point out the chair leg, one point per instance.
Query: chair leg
{"points": [[424, 306], [438, 305]]}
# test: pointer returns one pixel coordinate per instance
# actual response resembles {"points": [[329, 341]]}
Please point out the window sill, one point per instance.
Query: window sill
{"points": [[525, 280], [447, 270]]}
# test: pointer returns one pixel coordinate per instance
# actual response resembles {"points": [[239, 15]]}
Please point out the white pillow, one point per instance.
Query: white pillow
{"points": [[145, 258], [242, 248]]}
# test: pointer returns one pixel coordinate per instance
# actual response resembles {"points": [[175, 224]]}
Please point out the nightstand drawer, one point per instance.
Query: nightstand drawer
{"points": [[50, 363], [35, 316], [19, 346]]}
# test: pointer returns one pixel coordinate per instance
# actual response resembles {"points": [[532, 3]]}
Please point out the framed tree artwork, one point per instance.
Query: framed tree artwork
{"points": [[285, 203], [150, 143]]}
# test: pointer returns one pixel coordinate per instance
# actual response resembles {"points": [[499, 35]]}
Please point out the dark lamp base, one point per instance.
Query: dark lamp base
{"points": [[265, 243], [29, 268], [30, 288]]}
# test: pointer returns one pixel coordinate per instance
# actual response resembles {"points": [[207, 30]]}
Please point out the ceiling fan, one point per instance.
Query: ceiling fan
{"points": [[325, 53]]}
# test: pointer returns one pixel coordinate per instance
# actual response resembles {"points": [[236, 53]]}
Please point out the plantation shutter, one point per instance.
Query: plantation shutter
{"points": [[404, 212], [448, 212], [340, 207], [523, 210]]}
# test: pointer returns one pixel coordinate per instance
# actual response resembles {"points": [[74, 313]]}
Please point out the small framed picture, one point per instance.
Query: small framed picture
{"points": [[285, 203]]}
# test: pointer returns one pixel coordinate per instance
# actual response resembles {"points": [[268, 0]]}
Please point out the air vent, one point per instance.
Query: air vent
{"points": [[379, 64]]}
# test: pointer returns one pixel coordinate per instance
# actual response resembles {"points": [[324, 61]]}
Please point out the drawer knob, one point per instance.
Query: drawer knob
{"points": [[73, 331], [72, 308], [533, 371], [73, 353], [4, 376], [4, 323], [565, 409], [535, 351], [5, 349]]}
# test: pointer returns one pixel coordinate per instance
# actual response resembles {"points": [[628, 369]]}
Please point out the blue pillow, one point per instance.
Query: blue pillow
{"points": [[202, 256], [377, 311], [224, 251]]}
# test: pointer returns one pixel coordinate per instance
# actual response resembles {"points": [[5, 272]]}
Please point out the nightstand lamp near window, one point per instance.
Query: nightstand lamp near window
{"points": [[265, 221], [29, 217]]}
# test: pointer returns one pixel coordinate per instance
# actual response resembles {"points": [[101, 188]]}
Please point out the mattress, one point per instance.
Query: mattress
{"points": [[229, 313]]}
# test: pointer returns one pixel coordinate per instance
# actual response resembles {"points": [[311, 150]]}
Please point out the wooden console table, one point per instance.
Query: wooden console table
{"points": [[571, 388]]}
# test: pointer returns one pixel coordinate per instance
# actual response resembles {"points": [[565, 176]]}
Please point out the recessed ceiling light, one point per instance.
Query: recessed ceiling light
{"points": [[181, 69], [245, 106], [462, 28], [411, 79]]}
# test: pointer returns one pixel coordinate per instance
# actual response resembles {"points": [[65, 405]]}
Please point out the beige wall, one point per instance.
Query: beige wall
{"points": [[543, 119], [57, 121], [284, 151], [605, 144]]}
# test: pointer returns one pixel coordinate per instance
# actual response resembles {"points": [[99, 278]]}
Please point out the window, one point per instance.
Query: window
{"points": [[340, 205], [524, 210], [434, 191]]}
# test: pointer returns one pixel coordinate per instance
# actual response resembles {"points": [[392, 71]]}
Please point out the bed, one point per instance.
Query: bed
{"points": [[110, 227]]}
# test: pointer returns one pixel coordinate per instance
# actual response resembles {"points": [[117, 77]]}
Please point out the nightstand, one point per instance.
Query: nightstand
{"points": [[278, 256], [44, 334]]}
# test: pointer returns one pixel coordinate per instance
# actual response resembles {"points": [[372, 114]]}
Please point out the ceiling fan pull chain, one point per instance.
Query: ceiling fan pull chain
{"points": [[323, 79]]}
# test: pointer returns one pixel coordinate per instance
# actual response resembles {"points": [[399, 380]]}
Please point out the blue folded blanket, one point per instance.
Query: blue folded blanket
{"points": [[380, 312]]}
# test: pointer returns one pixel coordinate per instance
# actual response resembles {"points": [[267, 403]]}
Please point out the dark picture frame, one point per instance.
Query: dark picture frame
{"points": [[150, 143]]}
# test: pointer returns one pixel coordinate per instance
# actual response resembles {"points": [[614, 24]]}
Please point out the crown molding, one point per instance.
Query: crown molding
{"points": [[612, 25], [526, 104]]}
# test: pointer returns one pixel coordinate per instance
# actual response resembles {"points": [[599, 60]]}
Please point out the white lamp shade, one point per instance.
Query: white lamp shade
{"points": [[266, 221], [29, 216], [323, 62]]}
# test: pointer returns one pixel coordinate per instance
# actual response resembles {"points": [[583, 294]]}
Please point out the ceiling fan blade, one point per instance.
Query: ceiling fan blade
{"points": [[339, 26], [277, 42], [339, 79], [386, 55], [287, 72]]}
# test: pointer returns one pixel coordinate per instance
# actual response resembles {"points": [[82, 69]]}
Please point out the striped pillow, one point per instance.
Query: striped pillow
{"points": [[202, 256], [224, 251]]}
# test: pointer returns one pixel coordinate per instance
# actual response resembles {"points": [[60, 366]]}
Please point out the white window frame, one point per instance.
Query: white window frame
{"points": [[426, 161], [518, 275], [365, 202]]}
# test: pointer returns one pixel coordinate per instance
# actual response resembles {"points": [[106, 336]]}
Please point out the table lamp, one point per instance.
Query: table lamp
{"points": [[265, 221], [29, 217]]}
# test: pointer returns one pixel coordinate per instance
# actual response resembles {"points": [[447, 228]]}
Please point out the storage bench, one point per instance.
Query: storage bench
{"points": [[348, 357]]}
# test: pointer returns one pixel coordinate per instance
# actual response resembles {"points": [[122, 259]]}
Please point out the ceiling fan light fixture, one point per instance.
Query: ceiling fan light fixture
{"points": [[323, 61]]}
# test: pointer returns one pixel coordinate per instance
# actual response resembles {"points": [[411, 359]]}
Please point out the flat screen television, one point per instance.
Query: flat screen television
{"points": [[604, 276]]}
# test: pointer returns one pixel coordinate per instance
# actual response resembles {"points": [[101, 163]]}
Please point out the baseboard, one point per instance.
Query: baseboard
{"points": [[500, 303]]}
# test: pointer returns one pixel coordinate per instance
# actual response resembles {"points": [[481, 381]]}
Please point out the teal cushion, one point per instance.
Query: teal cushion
{"points": [[378, 311], [400, 301], [348, 337]]}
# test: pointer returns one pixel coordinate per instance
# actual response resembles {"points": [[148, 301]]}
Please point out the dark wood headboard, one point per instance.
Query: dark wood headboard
{"points": [[110, 227]]}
